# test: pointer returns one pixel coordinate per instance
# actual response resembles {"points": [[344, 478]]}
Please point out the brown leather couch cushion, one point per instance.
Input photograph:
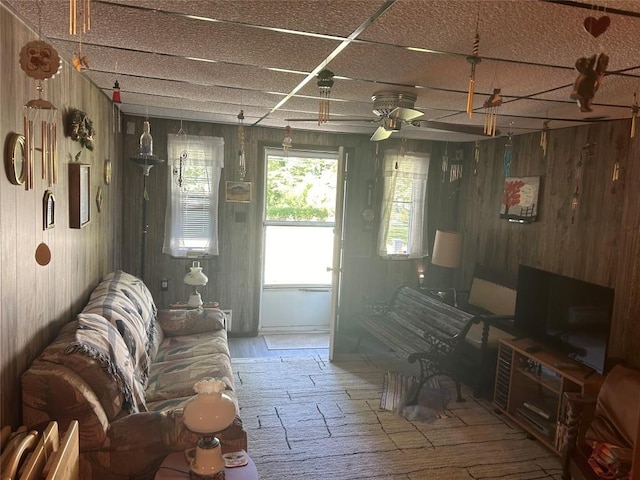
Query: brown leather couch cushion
{"points": [[617, 412]]}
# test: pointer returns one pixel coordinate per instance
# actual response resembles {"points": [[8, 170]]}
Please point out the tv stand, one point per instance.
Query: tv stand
{"points": [[531, 382]]}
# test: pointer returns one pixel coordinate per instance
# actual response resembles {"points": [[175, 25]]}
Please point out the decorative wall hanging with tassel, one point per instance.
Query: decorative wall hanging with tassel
{"points": [[634, 115], [544, 137]]}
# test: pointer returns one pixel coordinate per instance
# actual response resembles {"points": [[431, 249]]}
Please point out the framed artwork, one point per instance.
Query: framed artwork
{"points": [[79, 191], [238, 192], [520, 199], [48, 210]]}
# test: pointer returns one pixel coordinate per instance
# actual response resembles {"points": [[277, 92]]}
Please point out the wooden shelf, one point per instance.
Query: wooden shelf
{"points": [[531, 381]]}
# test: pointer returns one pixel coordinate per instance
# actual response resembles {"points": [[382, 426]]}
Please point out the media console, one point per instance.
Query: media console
{"points": [[531, 381]]}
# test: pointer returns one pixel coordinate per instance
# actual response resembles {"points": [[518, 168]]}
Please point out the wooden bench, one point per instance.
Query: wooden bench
{"points": [[424, 329]]}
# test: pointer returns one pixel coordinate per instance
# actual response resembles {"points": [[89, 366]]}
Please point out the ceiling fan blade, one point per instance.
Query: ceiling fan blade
{"points": [[336, 119], [477, 130], [381, 133], [406, 114]]}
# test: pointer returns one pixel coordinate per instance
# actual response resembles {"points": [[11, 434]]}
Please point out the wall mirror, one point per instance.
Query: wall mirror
{"points": [[14, 160]]}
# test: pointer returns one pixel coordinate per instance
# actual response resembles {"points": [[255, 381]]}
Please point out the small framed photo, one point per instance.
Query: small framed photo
{"points": [[238, 192], [79, 191], [48, 210]]}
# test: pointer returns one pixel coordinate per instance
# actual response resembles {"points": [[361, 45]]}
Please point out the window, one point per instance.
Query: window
{"points": [[191, 223], [403, 216]]}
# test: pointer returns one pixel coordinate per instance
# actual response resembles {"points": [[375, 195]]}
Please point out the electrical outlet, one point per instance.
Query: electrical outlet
{"points": [[164, 285]]}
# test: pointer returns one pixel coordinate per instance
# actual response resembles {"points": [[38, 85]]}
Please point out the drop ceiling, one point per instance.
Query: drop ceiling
{"points": [[207, 60]]}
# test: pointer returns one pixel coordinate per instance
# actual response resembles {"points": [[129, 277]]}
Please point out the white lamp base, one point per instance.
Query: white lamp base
{"points": [[195, 301], [208, 462]]}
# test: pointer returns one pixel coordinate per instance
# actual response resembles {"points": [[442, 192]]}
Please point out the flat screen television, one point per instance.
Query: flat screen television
{"points": [[566, 314]]}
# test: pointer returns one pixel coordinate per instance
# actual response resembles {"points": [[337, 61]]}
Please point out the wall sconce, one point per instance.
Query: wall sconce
{"points": [[195, 278]]}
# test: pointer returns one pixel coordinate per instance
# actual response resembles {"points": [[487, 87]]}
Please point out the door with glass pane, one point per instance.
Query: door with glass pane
{"points": [[299, 221]]}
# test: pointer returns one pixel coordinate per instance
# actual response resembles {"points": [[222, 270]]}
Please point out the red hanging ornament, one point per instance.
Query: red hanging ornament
{"points": [[115, 96]]}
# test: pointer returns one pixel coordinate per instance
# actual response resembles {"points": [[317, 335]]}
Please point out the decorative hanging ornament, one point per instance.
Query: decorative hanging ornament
{"points": [[85, 16], [543, 137], [445, 162], [634, 115], [242, 165], [473, 59], [508, 156], [39, 60], [288, 138], [179, 164], [325, 82], [491, 106], [115, 95], [476, 157], [591, 72], [596, 26]]}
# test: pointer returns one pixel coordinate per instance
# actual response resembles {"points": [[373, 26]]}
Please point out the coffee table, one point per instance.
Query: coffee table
{"points": [[175, 467]]}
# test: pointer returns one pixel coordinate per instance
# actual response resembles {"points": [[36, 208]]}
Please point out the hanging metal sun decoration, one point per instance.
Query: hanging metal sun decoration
{"points": [[543, 137], [491, 106], [473, 59], [325, 82], [242, 165], [634, 115]]}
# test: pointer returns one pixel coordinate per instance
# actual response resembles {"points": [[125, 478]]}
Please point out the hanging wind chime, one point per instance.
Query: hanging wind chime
{"points": [[473, 59], [79, 60], [40, 61], [242, 165], [634, 115], [445, 162], [543, 137], [325, 82], [491, 106]]}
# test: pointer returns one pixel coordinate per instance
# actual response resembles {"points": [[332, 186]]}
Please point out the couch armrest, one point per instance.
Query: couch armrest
{"points": [[176, 323]]}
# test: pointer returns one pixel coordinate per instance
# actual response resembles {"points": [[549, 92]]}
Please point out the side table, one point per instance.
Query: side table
{"points": [[184, 306], [175, 467]]}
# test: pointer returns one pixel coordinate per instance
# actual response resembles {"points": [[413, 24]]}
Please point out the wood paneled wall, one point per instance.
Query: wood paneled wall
{"points": [[601, 245], [234, 275], [38, 300]]}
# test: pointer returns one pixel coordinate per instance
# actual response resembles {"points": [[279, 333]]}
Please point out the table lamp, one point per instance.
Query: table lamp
{"points": [[195, 278], [210, 411], [447, 252]]}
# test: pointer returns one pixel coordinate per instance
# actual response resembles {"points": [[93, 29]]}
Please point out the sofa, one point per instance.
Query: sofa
{"points": [[602, 433], [124, 370]]}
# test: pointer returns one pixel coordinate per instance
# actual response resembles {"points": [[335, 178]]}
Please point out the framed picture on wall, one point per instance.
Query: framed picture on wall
{"points": [[48, 210], [238, 192], [79, 191], [520, 199]]}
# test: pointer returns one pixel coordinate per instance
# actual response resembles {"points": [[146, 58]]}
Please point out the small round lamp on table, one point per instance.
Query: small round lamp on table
{"points": [[195, 278], [210, 411]]}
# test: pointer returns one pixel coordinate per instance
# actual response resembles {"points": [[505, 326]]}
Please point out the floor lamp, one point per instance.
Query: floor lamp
{"points": [[447, 252]]}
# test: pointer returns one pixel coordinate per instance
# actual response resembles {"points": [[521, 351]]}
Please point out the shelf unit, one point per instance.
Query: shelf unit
{"points": [[531, 383]]}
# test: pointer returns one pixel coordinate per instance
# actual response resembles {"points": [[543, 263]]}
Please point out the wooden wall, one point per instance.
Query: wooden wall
{"points": [[37, 300], [234, 275], [602, 245]]}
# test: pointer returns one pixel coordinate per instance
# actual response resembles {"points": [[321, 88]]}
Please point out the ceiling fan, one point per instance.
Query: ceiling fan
{"points": [[394, 108]]}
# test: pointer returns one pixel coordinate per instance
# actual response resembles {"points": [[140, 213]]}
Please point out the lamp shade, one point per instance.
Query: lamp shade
{"points": [[447, 249], [195, 277], [211, 410]]}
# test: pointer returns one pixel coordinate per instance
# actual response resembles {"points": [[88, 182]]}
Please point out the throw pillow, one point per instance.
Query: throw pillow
{"points": [[188, 322]]}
